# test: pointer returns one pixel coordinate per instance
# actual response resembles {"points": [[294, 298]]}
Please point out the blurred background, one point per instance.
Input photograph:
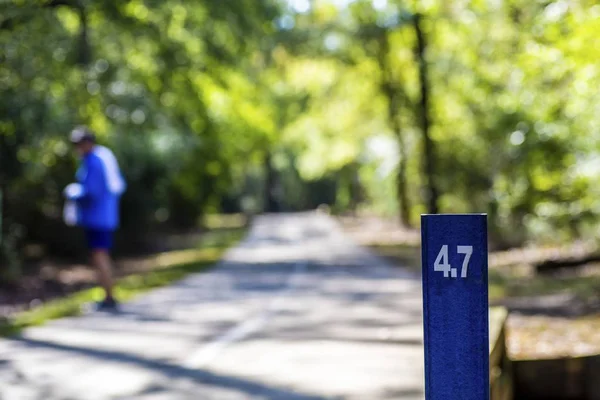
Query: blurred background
{"points": [[379, 109]]}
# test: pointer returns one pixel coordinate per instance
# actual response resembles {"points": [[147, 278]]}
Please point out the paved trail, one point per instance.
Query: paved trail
{"points": [[295, 312]]}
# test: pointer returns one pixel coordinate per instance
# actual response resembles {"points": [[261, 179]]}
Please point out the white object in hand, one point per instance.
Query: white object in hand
{"points": [[70, 213], [73, 190]]}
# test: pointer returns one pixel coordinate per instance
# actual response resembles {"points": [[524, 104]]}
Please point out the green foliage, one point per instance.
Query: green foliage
{"points": [[511, 100], [152, 79], [214, 104]]}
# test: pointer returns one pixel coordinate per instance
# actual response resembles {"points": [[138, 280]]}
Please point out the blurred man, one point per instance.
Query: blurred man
{"points": [[93, 203]]}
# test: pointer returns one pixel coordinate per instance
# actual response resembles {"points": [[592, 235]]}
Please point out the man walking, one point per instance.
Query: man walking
{"points": [[93, 203]]}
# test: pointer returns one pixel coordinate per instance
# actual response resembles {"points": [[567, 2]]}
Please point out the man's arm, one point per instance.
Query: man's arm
{"points": [[91, 187]]}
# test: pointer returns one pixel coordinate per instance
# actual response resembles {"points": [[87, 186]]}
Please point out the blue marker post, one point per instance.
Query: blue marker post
{"points": [[455, 306]]}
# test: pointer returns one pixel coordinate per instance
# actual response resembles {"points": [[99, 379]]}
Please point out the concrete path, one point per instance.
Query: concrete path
{"points": [[295, 312]]}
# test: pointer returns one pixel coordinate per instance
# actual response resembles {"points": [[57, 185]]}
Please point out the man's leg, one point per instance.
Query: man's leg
{"points": [[100, 243], [101, 260]]}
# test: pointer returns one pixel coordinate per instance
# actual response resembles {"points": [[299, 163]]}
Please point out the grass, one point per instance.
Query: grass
{"points": [[220, 221], [402, 254], [167, 268], [504, 285]]}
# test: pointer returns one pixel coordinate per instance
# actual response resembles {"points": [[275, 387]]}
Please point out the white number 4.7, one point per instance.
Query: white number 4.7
{"points": [[441, 263]]}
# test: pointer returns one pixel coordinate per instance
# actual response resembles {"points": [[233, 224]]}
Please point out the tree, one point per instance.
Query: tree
{"points": [[424, 117]]}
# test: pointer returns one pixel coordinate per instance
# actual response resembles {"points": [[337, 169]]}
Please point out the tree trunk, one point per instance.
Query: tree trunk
{"points": [[356, 187], [270, 182], [84, 54], [401, 183], [394, 100], [401, 190], [424, 117]]}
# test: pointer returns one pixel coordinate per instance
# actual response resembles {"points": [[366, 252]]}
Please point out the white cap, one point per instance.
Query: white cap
{"points": [[80, 134]]}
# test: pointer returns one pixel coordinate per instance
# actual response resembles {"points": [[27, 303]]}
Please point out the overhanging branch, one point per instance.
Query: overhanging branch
{"points": [[12, 22]]}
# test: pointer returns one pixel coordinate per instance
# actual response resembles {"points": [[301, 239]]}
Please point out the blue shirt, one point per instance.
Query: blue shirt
{"points": [[101, 186]]}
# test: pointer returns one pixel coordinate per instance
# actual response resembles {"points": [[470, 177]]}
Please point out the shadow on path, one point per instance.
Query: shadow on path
{"points": [[169, 370]]}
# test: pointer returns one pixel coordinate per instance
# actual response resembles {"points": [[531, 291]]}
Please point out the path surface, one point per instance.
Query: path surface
{"points": [[295, 312]]}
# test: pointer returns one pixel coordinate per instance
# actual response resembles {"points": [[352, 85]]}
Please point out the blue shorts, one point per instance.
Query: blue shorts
{"points": [[99, 239]]}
